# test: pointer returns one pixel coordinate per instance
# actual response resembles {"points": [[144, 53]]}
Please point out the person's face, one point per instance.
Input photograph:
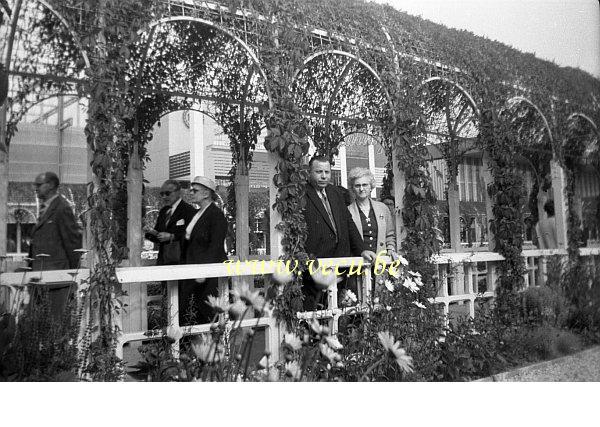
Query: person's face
{"points": [[169, 194], [362, 188], [200, 192], [43, 189], [320, 174]]}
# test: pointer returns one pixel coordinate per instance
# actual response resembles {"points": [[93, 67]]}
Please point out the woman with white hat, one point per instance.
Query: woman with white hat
{"points": [[204, 244]]}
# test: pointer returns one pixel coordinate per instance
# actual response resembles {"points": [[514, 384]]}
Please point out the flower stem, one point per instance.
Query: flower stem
{"points": [[371, 368]]}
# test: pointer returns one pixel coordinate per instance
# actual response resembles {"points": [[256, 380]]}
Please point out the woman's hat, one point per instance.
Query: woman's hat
{"points": [[207, 182]]}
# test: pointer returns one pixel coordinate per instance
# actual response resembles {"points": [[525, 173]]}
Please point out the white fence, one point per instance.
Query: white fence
{"points": [[464, 280]]}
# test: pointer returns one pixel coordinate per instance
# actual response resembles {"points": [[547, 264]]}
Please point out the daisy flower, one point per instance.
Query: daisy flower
{"points": [[219, 304], [292, 370], [418, 304], [329, 354], [292, 342], [394, 351]]}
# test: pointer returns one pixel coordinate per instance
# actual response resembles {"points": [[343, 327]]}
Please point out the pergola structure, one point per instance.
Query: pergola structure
{"points": [[341, 68]]}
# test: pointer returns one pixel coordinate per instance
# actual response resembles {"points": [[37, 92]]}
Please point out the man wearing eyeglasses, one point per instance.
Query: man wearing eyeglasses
{"points": [[172, 220]]}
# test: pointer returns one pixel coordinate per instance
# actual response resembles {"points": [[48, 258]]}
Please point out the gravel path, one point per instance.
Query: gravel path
{"points": [[583, 366]]}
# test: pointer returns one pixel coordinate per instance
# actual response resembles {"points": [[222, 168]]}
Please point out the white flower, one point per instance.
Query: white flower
{"points": [[349, 298], [292, 342], [389, 285], [236, 310], [282, 275], [323, 278], [174, 333], [395, 352], [318, 328], [394, 272], [402, 260], [208, 352], [418, 304], [219, 304], [248, 296], [328, 353], [334, 343], [292, 370], [410, 285]]}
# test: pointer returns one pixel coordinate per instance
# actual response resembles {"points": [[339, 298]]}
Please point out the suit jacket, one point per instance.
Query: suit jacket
{"points": [[176, 226], [386, 233], [321, 241], [58, 235], [207, 239]]}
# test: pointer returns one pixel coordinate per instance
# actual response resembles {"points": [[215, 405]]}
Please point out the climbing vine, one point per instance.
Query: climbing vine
{"points": [[139, 71]]}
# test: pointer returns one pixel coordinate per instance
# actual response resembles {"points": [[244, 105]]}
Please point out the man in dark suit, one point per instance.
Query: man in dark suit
{"points": [[331, 230], [170, 224], [56, 235]]}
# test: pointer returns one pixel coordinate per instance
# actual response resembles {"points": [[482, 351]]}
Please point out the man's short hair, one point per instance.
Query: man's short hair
{"points": [[174, 183], [318, 158], [51, 178], [549, 207]]}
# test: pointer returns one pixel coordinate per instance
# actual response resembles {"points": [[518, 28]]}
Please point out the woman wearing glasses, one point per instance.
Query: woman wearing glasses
{"points": [[372, 218], [204, 243]]}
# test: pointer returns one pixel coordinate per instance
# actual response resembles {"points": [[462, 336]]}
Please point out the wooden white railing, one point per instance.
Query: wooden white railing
{"points": [[464, 280]]}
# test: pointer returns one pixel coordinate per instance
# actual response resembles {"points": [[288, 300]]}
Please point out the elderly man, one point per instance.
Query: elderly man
{"points": [[57, 236], [331, 230], [56, 232], [169, 230]]}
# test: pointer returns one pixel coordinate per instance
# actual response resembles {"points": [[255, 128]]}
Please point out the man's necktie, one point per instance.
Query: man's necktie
{"points": [[42, 210], [328, 209], [168, 216]]}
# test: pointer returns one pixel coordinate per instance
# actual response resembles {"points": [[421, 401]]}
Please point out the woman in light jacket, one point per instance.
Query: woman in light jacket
{"points": [[372, 218], [204, 243]]}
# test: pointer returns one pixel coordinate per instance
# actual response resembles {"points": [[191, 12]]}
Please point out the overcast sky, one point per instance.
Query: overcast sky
{"points": [[565, 31]]}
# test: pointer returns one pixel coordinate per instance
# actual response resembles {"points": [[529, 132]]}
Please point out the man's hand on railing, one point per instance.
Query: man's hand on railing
{"points": [[369, 256]]}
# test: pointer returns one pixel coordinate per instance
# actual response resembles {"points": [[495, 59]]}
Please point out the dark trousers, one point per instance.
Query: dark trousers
{"points": [[193, 309], [316, 299]]}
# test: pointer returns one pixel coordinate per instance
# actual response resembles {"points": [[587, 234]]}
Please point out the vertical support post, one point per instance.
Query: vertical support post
{"points": [[454, 214], [332, 297], [371, 152], [173, 311], [560, 203], [275, 216], [242, 229], [134, 210], [399, 186], [3, 181], [487, 180], [343, 164]]}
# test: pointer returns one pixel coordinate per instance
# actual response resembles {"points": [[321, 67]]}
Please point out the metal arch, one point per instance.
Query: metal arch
{"points": [[393, 46], [459, 87], [352, 57], [249, 51], [516, 99], [585, 117], [11, 36], [54, 95], [336, 89], [207, 114], [591, 122], [17, 11], [20, 208]]}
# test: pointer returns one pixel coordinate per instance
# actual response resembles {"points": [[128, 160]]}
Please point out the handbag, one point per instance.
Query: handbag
{"points": [[171, 253]]}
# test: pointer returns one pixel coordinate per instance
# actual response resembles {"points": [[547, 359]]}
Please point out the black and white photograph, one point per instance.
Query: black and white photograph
{"points": [[385, 194]]}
